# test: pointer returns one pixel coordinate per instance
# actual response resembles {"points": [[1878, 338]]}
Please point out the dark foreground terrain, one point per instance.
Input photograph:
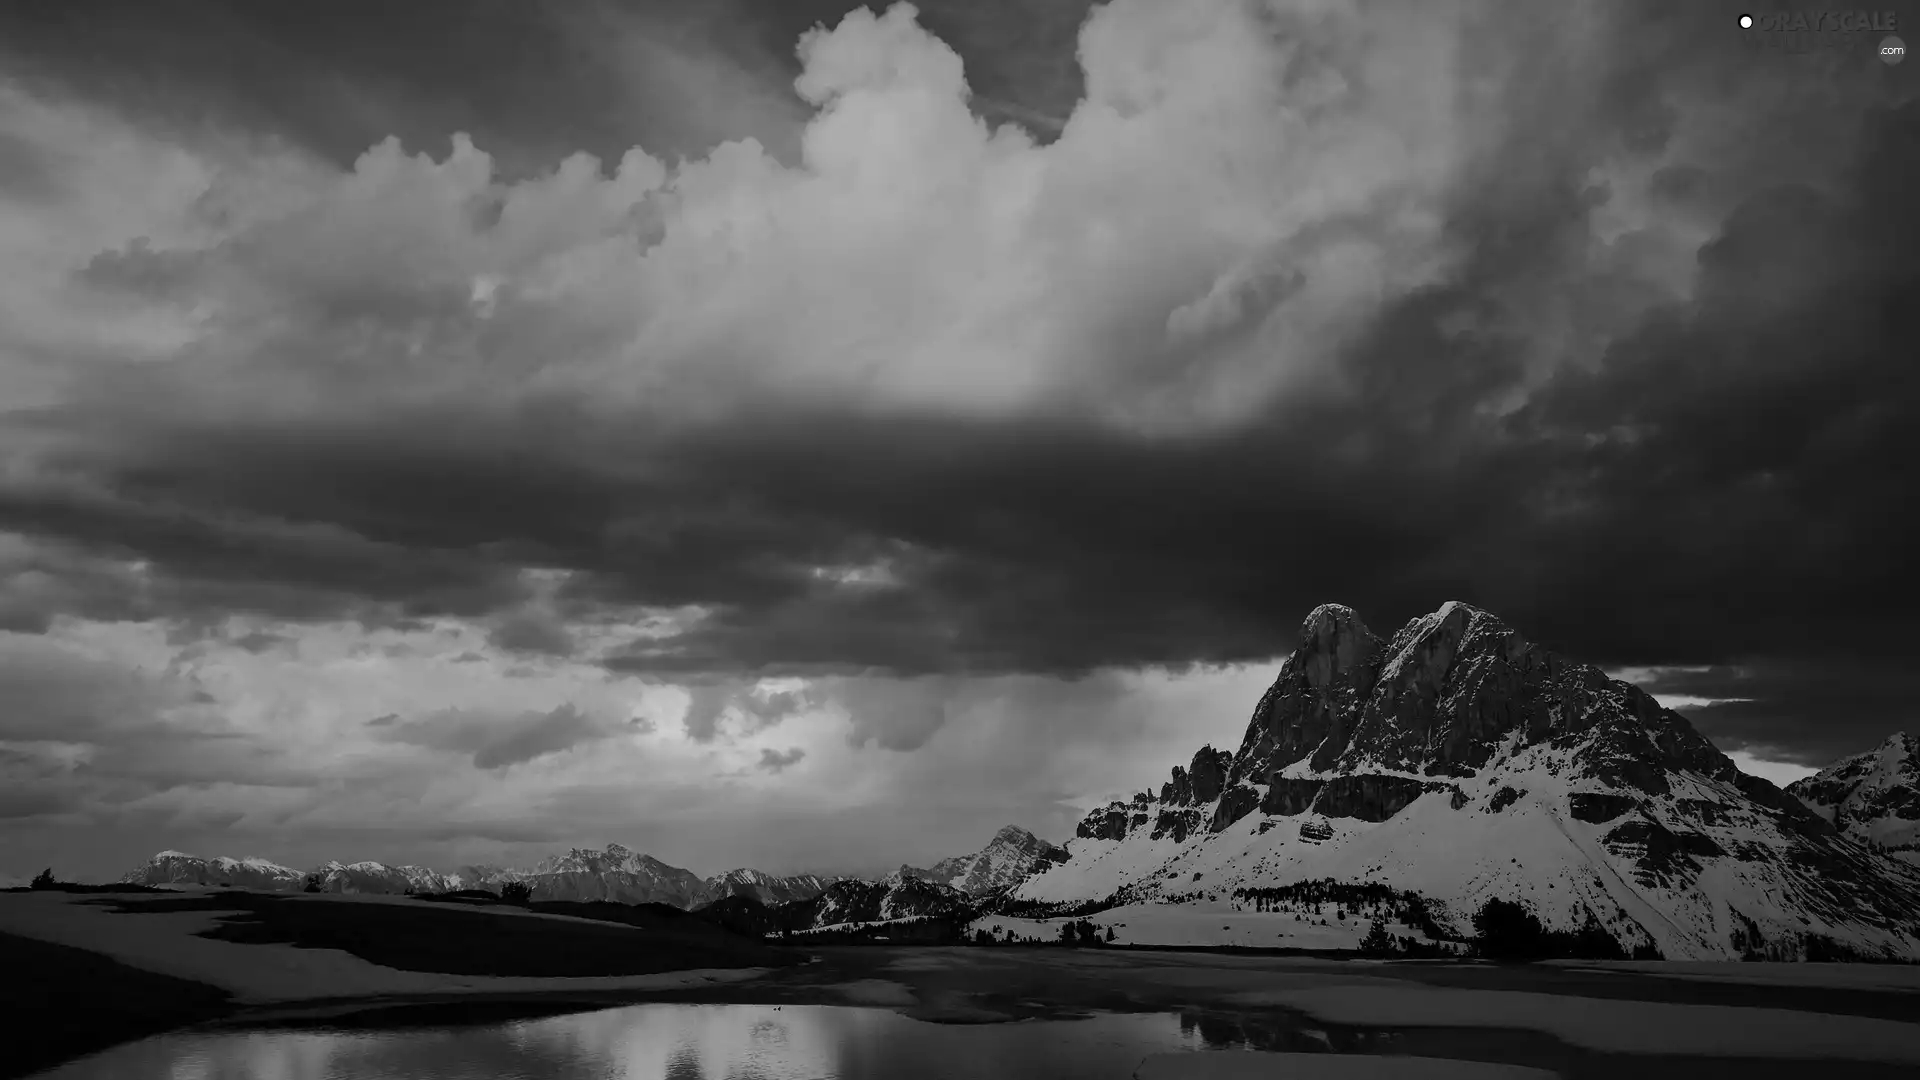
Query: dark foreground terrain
{"points": [[1577, 1022], [458, 939], [65, 999], [61, 1002]]}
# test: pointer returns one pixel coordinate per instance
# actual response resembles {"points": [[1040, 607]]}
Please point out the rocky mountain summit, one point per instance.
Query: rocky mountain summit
{"points": [[1460, 762], [1873, 797], [1012, 856]]}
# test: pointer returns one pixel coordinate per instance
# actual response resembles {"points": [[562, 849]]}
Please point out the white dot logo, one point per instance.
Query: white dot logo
{"points": [[1892, 49], [1746, 22]]}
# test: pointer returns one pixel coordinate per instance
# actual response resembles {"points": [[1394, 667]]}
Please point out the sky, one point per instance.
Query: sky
{"points": [[781, 434]]}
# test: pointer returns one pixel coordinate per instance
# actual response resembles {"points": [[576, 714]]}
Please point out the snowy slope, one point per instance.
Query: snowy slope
{"points": [[1873, 797], [1013, 855], [1460, 762]]}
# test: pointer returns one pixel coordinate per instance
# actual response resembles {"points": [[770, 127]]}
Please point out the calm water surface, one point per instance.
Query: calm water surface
{"points": [[670, 1042]]}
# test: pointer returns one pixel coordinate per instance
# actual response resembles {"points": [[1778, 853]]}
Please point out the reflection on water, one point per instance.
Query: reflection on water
{"points": [[684, 1042]]}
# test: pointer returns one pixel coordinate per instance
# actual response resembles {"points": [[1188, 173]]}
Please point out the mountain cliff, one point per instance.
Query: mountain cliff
{"points": [[1872, 797], [1012, 856], [1460, 762]]}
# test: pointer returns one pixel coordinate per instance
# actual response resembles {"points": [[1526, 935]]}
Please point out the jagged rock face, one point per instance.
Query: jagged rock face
{"points": [[1312, 703], [1443, 695], [1456, 736], [1872, 797], [766, 888], [1012, 856], [1599, 807]]}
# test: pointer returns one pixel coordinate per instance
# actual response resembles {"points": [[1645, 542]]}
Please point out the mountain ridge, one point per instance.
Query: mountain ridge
{"points": [[615, 873]]}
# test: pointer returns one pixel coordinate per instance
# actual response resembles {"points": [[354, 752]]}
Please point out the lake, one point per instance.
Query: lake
{"points": [[673, 1042]]}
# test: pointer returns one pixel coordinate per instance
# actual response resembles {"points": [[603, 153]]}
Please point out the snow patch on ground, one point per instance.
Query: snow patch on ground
{"points": [[165, 942], [1828, 976], [1212, 922], [1612, 1026], [1254, 1065], [876, 992]]}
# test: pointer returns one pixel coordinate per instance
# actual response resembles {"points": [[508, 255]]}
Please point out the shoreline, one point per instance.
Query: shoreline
{"points": [[1022, 982], [91, 976]]}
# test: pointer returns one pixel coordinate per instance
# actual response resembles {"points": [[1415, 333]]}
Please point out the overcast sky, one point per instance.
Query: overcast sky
{"points": [[766, 435]]}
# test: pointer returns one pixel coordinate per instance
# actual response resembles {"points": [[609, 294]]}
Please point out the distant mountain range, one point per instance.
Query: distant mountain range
{"points": [[616, 874], [1451, 763], [1460, 762]]}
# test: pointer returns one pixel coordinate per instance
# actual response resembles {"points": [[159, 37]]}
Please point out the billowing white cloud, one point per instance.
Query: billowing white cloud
{"points": [[1243, 184]]}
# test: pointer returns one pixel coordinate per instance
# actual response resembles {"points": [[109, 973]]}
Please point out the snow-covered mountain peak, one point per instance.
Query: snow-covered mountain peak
{"points": [[179, 868], [1872, 797], [1461, 761]]}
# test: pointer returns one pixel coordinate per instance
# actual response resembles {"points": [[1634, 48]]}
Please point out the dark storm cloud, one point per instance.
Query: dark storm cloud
{"points": [[1717, 479], [1808, 711], [219, 560], [496, 742], [532, 632], [90, 734], [535, 82]]}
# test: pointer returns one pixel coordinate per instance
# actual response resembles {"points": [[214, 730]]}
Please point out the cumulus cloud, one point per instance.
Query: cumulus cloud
{"points": [[914, 258]]}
